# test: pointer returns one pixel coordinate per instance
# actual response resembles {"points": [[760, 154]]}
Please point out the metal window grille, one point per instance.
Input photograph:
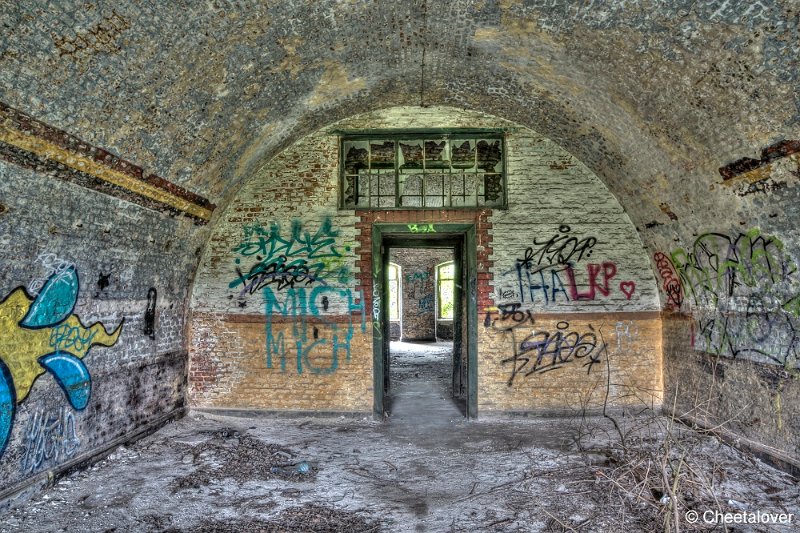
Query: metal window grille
{"points": [[422, 171]]}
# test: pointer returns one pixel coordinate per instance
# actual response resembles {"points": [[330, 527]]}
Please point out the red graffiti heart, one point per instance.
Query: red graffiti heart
{"points": [[627, 288]]}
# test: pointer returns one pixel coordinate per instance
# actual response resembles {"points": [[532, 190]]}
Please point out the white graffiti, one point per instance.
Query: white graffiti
{"points": [[628, 330], [49, 437], [51, 264], [376, 304]]}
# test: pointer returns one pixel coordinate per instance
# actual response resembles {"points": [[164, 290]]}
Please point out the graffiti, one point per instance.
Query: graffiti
{"points": [[559, 249], [315, 334], [627, 288], [49, 438], [543, 351], [425, 304], [534, 286], [671, 283], [626, 330], [608, 269], [599, 277], [505, 294], [418, 277], [150, 313], [283, 261], [376, 304], [718, 266], [73, 338], [540, 271], [41, 334], [419, 287], [762, 332], [51, 264], [103, 281], [421, 228], [530, 287], [507, 316], [744, 292]]}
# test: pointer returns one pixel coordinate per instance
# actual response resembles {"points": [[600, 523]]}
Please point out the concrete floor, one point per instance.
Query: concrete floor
{"points": [[420, 396], [425, 469]]}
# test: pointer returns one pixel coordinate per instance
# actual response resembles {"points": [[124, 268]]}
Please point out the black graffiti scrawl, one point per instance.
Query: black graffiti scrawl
{"points": [[150, 313]]}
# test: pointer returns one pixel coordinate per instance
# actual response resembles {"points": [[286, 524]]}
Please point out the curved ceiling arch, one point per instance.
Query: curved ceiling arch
{"points": [[653, 97]]}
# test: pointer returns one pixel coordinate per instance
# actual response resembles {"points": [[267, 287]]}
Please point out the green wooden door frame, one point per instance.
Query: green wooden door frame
{"points": [[423, 235]]}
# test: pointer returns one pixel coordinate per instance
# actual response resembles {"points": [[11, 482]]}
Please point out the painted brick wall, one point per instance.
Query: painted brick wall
{"points": [[600, 312], [731, 343], [113, 252], [278, 319], [571, 282]]}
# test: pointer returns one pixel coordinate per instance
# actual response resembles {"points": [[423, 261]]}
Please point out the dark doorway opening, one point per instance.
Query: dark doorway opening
{"points": [[426, 375]]}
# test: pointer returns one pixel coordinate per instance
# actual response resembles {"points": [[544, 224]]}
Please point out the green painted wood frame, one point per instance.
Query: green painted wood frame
{"points": [[410, 235]]}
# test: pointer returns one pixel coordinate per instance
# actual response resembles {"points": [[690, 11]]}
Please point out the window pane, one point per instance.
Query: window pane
{"points": [[447, 271], [382, 188], [436, 154], [463, 154], [446, 289], [463, 190], [434, 190], [356, 156], [411, 190], [492, 189], [394, 293], [381, 154], [350, 193], [489, 155], [410, 154], [446, 299]]}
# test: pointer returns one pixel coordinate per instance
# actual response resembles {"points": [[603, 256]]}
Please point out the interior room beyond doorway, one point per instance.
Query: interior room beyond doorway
{"points": [[421, 288]]}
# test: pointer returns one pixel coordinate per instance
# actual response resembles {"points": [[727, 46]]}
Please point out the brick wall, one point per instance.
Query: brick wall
{"points": [[418, 289], [731, 348], [755, 401], [254, 340], [130, 266]]}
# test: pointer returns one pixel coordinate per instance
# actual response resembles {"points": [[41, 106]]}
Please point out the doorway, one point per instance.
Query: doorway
{"points": [[422, 362], [419, 369]]}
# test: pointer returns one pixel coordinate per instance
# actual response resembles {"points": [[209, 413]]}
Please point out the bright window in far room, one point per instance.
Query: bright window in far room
{"points": [[445, 274], [394, 292]]}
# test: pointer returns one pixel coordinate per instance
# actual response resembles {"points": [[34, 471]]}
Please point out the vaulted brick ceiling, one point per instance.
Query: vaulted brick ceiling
{"points": [[652, 96]]}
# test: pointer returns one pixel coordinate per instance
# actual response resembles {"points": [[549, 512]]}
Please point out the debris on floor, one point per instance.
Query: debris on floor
{"points": [[421, 470]]}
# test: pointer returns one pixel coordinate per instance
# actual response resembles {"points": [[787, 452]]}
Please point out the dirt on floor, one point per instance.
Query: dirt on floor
{"points": [[215, 473], [420, 470]]}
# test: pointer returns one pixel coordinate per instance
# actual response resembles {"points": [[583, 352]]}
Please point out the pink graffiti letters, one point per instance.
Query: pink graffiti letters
{"points": [[671, 282]]}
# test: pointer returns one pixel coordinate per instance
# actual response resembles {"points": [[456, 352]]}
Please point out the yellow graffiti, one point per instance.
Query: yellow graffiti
{"points": [[20, 347]]}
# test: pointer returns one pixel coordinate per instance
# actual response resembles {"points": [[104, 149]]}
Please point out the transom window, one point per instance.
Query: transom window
{"points": [[422, 170]]}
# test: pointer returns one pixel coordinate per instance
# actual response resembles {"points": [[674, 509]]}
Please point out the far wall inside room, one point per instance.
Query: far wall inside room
{"points": [[418, 308]]}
